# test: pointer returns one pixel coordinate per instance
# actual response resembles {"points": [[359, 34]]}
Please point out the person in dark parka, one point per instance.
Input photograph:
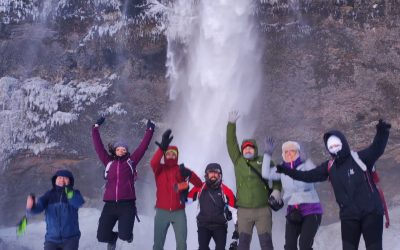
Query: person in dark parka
{"points": [[61, 205], [350, 174]]}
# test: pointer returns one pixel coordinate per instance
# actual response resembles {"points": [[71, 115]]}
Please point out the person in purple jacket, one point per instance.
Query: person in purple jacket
{"points": [[304, 209], [119, 195]]}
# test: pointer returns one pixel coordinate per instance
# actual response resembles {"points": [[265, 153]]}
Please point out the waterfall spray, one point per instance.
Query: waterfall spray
{"points": [[213, 64]]}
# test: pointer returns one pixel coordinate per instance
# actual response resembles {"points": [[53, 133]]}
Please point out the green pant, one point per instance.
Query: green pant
{"points": [[161, 223], [250, 217]]}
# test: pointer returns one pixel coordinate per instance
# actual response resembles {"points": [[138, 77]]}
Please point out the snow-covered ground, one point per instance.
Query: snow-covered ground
{"points": [[328, 237]]}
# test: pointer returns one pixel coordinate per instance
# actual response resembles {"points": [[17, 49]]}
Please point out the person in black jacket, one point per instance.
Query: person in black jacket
{"points": [[217, 207], [350, 174]]}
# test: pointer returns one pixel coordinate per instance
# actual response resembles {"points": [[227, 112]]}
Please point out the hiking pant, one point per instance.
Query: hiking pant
{"points": [[162, 220], [218, 234], [306, 230], [261, 218], [370, 226], [125, 213], [69, 244]]}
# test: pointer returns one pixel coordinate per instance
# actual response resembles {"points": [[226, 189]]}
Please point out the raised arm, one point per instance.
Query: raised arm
{"points": [[268, 172], [36, 207], [104, 157], [317, 174], [371, 154], [137, 155], [155, 162], [231, 139]]}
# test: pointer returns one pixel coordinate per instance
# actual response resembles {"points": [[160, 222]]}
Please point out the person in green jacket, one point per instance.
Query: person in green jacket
{"points": [[252, 193]]}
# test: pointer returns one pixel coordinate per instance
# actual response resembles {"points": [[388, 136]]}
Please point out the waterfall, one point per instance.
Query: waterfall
{"points": [[213, 64], [213, 67]]}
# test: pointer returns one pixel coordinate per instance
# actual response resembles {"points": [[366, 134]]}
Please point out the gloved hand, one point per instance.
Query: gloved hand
{"points": [[150, 125], [233, 116], [228, 214], [166, 140], [280, 169], [383, 125], [100, 121], [184, 171], [269, 145], [235, 234], [69, 192], [274, 201]]}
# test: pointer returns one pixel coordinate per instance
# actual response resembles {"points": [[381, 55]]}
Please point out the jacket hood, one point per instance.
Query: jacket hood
{"points": [[171, 162], [64, 173], [254, 143], [345, 151]]}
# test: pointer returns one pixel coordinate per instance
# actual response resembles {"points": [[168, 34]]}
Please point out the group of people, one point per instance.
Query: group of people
{"points": [[350, 174]]}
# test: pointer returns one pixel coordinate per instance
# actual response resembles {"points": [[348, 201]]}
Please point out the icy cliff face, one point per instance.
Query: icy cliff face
{"points": [[30, 109]]}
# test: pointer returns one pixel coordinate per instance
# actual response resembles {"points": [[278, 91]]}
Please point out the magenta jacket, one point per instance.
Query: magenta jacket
{"points": [[121, 177]]}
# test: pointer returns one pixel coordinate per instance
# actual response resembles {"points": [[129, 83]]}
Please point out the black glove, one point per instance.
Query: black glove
{"points": [[280, 169], [235, 234], [166, 140], [100, 120], [150, 125], [233, 246], [228, 214], [275, 204], [382, 125], [184, 171]]}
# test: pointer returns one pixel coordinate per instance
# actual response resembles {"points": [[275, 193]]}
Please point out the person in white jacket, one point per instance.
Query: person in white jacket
{"points": [[304, 209]]}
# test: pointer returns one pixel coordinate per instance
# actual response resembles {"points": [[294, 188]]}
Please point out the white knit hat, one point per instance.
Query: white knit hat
{"points": [[290, 145]]}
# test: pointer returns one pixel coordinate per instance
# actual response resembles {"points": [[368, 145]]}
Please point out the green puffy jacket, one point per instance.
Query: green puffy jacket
{"points": [[251, 191]]}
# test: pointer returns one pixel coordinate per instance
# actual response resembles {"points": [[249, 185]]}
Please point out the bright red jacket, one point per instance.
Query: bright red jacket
{"points": [[167, 176]]}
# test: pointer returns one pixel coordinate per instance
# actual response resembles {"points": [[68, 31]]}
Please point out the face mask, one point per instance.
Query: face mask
{"points": [[334, 144], [248, 156]]}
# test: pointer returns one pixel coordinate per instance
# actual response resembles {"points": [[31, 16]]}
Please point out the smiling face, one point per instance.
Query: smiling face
{"points": [[120, 151], [62, 181], [170, 155], [249, 150], [290, 155], [213, 175]]}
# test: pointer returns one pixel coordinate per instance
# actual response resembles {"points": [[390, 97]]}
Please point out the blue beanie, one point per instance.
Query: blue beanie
{"points": [[121, 144]]}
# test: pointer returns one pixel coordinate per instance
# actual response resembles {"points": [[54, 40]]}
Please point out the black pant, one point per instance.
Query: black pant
{"points": [[70, 244], [370, 226], [306, 230], [218, 234], [124, 212]]}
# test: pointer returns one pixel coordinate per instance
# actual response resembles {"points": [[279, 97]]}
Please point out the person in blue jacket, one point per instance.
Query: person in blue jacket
{"points": [[61, 204]]}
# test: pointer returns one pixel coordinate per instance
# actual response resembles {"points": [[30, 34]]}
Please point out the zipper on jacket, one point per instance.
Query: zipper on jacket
{"points": [[116, 188], [369, 182]]}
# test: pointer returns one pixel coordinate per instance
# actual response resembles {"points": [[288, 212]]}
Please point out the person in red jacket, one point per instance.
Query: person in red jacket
{"points": [[172, 181]]}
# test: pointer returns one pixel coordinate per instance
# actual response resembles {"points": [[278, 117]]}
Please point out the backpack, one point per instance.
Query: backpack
{"points": [[375, 179]]}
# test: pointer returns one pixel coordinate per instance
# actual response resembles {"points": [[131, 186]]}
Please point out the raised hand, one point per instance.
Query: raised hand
{"points": [[150, 125], [383, 125], [166, 140], [233, 116], [30, 201], [269, 145], [100, 121]]}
